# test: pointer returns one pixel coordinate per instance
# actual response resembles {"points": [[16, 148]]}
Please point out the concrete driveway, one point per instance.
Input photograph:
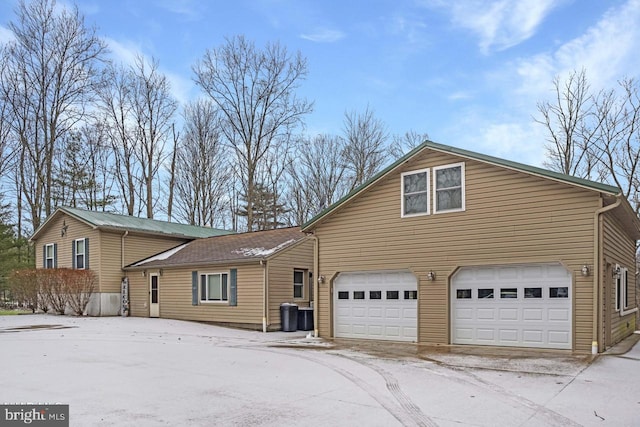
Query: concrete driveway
{"points": [[158, 372]]}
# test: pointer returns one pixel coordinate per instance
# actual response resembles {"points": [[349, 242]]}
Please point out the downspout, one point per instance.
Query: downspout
{"points": [[265, 301], [316, 281], [597, 308], [126, 233]]}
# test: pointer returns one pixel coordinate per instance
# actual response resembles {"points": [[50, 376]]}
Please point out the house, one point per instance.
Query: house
{"points": [[105, 243], [448, 246], [237, 279]]}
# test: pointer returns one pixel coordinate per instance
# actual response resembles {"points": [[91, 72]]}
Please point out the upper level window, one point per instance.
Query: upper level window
{"points": [[298, 283], [49, 256], [214, 287], [79, 249], [449, 188], [415, 193]]}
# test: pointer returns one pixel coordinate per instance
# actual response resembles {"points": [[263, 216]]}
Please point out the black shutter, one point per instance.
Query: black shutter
{"points": [[194, 288], [86, 253], [233, 287], [44, 256], [55, 255], [73, 254]]}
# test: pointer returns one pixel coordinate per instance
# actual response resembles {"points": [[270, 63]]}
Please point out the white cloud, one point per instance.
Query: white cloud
{"points": [[188, 9], [324, 35], [6, 35], [498, 24], [125, 52], [608, 51]]}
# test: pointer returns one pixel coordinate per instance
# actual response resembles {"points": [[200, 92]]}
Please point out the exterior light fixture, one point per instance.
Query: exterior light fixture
{"points": [[320, 280], [616, 271], [431, 276], [585, 270]]}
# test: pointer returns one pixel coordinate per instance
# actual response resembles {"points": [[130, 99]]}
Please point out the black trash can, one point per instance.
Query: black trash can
{"points": [[305, 319], [289, 317]]}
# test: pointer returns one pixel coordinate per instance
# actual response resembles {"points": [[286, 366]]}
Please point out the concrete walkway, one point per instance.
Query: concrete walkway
{"points": [[158, 372]]}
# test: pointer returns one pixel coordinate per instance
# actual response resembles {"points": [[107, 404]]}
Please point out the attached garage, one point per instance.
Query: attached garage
{"points": [[376, 305], [518, 305]]}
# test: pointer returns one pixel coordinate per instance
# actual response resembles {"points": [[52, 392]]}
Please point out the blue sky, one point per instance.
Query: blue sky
{"points": [[469, 73]]}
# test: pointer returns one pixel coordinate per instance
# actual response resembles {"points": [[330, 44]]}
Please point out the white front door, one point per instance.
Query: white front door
{"points": [[520, 305], [376, 305], [154, 295]]}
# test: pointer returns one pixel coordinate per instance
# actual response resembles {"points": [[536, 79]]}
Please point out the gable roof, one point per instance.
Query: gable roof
{"points": [[508, 164], [233, 248], [110, 221]]}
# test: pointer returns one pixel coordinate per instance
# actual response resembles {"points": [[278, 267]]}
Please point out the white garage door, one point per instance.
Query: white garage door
{"points": [[376, 305], [521, 306]]}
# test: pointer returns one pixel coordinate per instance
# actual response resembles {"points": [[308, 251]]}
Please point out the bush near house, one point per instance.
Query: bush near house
{"points": [[58, 289]]}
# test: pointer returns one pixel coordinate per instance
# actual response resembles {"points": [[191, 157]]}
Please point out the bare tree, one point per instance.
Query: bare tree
{"points": [[569, 126], [365, 151], [618, 138], [202, 172], [153, 107], [49, 75], [255, 92], [402, 144], [117, 112], [317, 173]]}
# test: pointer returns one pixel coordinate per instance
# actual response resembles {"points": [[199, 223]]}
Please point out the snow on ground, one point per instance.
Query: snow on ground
{"points": [[159, 372]]}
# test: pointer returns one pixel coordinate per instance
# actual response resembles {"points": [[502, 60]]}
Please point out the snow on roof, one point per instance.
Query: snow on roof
{"points": [[262, 252], [163, 255]]}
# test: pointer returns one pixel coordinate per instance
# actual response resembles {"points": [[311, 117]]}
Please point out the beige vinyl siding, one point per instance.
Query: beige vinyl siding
{"points": [[138, 247], [619, 249], [111, 261], [510, 217], [138, 294], [175, 296], [281, 267], [75, 230]]}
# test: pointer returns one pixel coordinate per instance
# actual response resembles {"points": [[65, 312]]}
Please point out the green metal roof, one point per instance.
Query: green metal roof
{"points": [[532, 170], [105, 220]]}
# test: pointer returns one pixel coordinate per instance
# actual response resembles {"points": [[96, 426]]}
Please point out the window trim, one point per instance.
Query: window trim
{"points": [[622, 293], [83, 254], [462, 188], [53, 255], [215, 273], [301, 285], [427, 173]]}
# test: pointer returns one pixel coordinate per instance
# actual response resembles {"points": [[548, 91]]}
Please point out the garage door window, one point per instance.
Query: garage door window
{"points": [[562, 292], [343, 295], [392, 295], [509, 293], [410, 294], [358, 294], [375, 294], [533, 292], [463, 293], [485, 293]]}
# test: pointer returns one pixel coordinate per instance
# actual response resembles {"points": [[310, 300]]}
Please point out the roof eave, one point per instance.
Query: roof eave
{"points": [[194, 264]]}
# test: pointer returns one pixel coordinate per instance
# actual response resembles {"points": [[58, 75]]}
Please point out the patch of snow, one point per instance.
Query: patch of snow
{"points": [[262, 252], [162, 256]]}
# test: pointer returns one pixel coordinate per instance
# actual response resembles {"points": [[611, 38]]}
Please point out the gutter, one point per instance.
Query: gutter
{"points": [[597, 249]]}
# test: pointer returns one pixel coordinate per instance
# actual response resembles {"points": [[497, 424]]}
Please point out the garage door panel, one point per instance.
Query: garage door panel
{"points": [[537, 312], [387, 310], [532, 314], [561, 315], [508, 314]]}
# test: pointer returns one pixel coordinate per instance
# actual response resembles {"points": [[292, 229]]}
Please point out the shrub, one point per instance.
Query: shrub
{"points": [[80, 285]]}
